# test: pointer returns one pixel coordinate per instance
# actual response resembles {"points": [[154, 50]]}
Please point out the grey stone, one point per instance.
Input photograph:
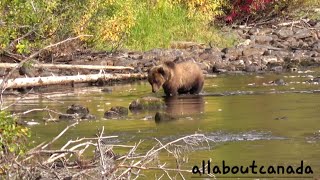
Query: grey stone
{"points": [[285, 33], [78, 109], [253, 51], [277, 69], [253, 31], [116, 112], [3, 72], [279, 82], [134, 55], [303, 33], [262, 39], [292, 42], [89, 117], [232, 53], [316, 46], [314, 80], [68, 116], [265, 31], [252, 68]]}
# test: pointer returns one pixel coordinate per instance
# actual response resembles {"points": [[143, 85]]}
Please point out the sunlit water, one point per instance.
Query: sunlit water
{"points": [[273, 125]]}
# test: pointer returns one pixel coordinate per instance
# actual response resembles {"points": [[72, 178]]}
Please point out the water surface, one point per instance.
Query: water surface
{"points": [[273, 125]]}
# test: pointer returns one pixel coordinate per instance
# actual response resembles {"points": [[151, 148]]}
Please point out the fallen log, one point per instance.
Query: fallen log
{"points": [[67, 66], [42, 81]]}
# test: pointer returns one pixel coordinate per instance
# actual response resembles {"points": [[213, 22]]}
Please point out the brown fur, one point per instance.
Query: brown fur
{"points": [[182, 78]]}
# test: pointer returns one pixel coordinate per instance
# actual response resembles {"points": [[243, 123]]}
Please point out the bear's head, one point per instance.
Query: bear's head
{"points": [[157, 76]]}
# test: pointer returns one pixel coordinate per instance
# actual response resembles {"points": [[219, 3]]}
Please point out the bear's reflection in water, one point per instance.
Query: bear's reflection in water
{"points": [[180, 107]]}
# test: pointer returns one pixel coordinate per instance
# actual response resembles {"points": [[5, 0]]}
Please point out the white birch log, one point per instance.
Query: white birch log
{"points": [[42, 81], [67, 66]]}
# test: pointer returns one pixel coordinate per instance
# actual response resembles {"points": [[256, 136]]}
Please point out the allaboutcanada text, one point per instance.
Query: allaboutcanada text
{"points": [[207, 168]]}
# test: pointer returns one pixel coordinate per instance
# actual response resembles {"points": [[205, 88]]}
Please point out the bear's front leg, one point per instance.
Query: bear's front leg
{"points": [[170, 91]]}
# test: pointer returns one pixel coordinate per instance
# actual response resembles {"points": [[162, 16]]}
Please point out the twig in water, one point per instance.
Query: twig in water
{"points": [[59, 135]]}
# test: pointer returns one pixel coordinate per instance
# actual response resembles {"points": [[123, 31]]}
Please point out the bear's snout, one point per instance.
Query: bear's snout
{"points": [[154, 88]]}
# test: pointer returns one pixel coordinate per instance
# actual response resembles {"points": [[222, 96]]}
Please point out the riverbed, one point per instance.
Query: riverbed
{"points": [[247, 118]]}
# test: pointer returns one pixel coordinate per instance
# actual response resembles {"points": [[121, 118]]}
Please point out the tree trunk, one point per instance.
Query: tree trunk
{"points": [[42, 81], [67, 66]]}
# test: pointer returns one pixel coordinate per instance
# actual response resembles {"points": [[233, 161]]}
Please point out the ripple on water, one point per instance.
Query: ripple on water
{"points": [[221, 136]]}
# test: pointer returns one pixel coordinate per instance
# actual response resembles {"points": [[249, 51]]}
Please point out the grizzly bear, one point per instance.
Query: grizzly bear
{"points": [[181, 78]]}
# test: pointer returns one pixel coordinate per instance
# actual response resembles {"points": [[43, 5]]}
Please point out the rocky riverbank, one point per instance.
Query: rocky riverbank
{"points": [[289, 46]]}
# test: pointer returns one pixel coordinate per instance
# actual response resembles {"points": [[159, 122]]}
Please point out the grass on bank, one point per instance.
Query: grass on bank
{"points": [[158, 27], [140, 25]]}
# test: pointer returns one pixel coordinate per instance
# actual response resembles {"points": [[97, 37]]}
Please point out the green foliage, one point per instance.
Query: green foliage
{"points": [[157, 25], [12, 136], [27, 25], [32, 24]]}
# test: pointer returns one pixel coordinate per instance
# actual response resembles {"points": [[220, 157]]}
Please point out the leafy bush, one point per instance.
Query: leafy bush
{"points": [[12, 136], [27, 25]]}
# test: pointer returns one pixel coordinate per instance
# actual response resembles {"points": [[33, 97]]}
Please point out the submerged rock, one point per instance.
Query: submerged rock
{"points": [[89, 117], [68, 117], [107, 90], [76, 111], [116, 112], [279, 82], [315, 80], [281, 118], [146, 103]]}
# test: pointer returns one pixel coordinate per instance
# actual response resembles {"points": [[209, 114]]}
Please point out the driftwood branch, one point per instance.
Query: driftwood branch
{"points": [[68, 66], [42, 81], [154, 151], [71, 161], [33, 55], [57, 137]]}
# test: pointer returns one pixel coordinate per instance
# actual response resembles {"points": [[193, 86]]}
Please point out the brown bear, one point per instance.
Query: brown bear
{"points": [[181, 78]]}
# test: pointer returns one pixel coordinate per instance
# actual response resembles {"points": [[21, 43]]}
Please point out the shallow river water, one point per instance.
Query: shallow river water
{"points": [[271, 125]]}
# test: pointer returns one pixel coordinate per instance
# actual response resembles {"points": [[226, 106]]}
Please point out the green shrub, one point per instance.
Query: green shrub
{"points": [[157, 25], [27, 25], [12, 136]]}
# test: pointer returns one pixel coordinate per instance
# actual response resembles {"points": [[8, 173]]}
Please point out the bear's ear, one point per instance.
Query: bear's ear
{"points": [[161, 71], [170, 64]]}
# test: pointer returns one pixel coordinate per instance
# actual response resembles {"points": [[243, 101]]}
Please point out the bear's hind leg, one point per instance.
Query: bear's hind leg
{"points": [[196, 89]]}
